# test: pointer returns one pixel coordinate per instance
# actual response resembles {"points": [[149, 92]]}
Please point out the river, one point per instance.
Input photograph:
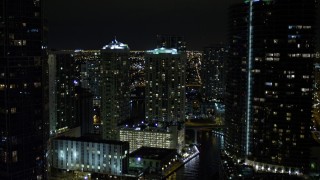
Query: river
{"points": [[206, 164]]}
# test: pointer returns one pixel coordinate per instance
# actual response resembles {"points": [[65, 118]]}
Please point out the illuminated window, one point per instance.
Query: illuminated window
{"points": [[13, 110], [2, 86]]}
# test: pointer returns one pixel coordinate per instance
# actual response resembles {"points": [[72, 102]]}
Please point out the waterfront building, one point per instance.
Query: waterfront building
{"points": [[90, 155], [139, 136], [152, 160], [269, 101], [165, 86], [236, 81], [115, 91], [23, 107]]}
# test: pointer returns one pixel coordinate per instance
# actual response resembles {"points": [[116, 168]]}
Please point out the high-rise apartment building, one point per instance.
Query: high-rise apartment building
{"points": [[213, 72], [115, 89], [22, 123], [165, 86], [63, 80], [272, 55]]}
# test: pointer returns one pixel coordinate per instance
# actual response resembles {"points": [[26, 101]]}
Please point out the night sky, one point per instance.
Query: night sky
{"points": [[90, 24]]}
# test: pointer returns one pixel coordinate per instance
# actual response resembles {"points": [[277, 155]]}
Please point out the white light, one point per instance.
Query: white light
{"points": [[249, 79]]}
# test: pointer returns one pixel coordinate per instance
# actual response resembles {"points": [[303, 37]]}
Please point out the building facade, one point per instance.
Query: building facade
{"points": [[276, 68], [170, 138], [115, 87], [89, 155], [165, 86], [63, 80], [22, 108], [152, 160], [236, 81]]}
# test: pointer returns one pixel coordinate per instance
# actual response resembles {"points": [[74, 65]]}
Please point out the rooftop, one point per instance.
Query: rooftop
{"points": [[152, 153], [163, 51], [116, 45], [93, 139]]}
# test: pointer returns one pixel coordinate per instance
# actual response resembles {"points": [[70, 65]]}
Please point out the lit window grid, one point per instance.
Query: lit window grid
{"points": [[89, 157]]}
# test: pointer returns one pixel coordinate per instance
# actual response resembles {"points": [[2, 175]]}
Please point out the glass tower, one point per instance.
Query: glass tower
{"points": [[22, 122], [277, 71]]}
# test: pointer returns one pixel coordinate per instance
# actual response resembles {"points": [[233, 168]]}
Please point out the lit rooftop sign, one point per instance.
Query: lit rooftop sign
{"points": [[116, 45], [163, 51]]}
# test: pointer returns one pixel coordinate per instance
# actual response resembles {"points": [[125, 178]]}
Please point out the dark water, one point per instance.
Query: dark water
{"points": [[206, 164]]}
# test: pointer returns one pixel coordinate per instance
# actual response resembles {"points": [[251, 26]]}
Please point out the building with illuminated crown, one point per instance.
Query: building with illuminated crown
{"points": [[270, 84], [115, 87], [165, 86]]}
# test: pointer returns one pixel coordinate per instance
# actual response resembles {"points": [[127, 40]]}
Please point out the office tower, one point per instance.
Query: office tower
{"points": [[276, 68], [213, 72], [165, 86], [170, 41], [22, 123], [63, 80], [115, 90]]}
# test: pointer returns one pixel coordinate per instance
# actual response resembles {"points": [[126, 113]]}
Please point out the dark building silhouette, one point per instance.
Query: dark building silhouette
{"points": [[22, 108], [270, 84], [236, 81], [84, 99]]}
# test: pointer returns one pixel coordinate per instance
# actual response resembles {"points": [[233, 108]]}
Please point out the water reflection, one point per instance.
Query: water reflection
{"points": [[206, 165]]}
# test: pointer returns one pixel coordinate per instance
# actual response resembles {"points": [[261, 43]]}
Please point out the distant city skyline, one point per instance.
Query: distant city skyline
{"points": [[91, 24]]}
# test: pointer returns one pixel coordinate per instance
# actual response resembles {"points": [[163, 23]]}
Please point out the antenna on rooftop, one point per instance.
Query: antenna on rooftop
{"points": [[115, 39]]}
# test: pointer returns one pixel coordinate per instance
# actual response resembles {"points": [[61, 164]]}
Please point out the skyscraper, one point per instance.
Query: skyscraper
{"points": [[22, 122], [63, 79], [115, 89], [235, 69], [165, 85], [275, 65]]}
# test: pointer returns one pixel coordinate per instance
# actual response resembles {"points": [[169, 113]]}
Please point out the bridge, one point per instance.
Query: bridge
{"points": [[201, 126]]}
